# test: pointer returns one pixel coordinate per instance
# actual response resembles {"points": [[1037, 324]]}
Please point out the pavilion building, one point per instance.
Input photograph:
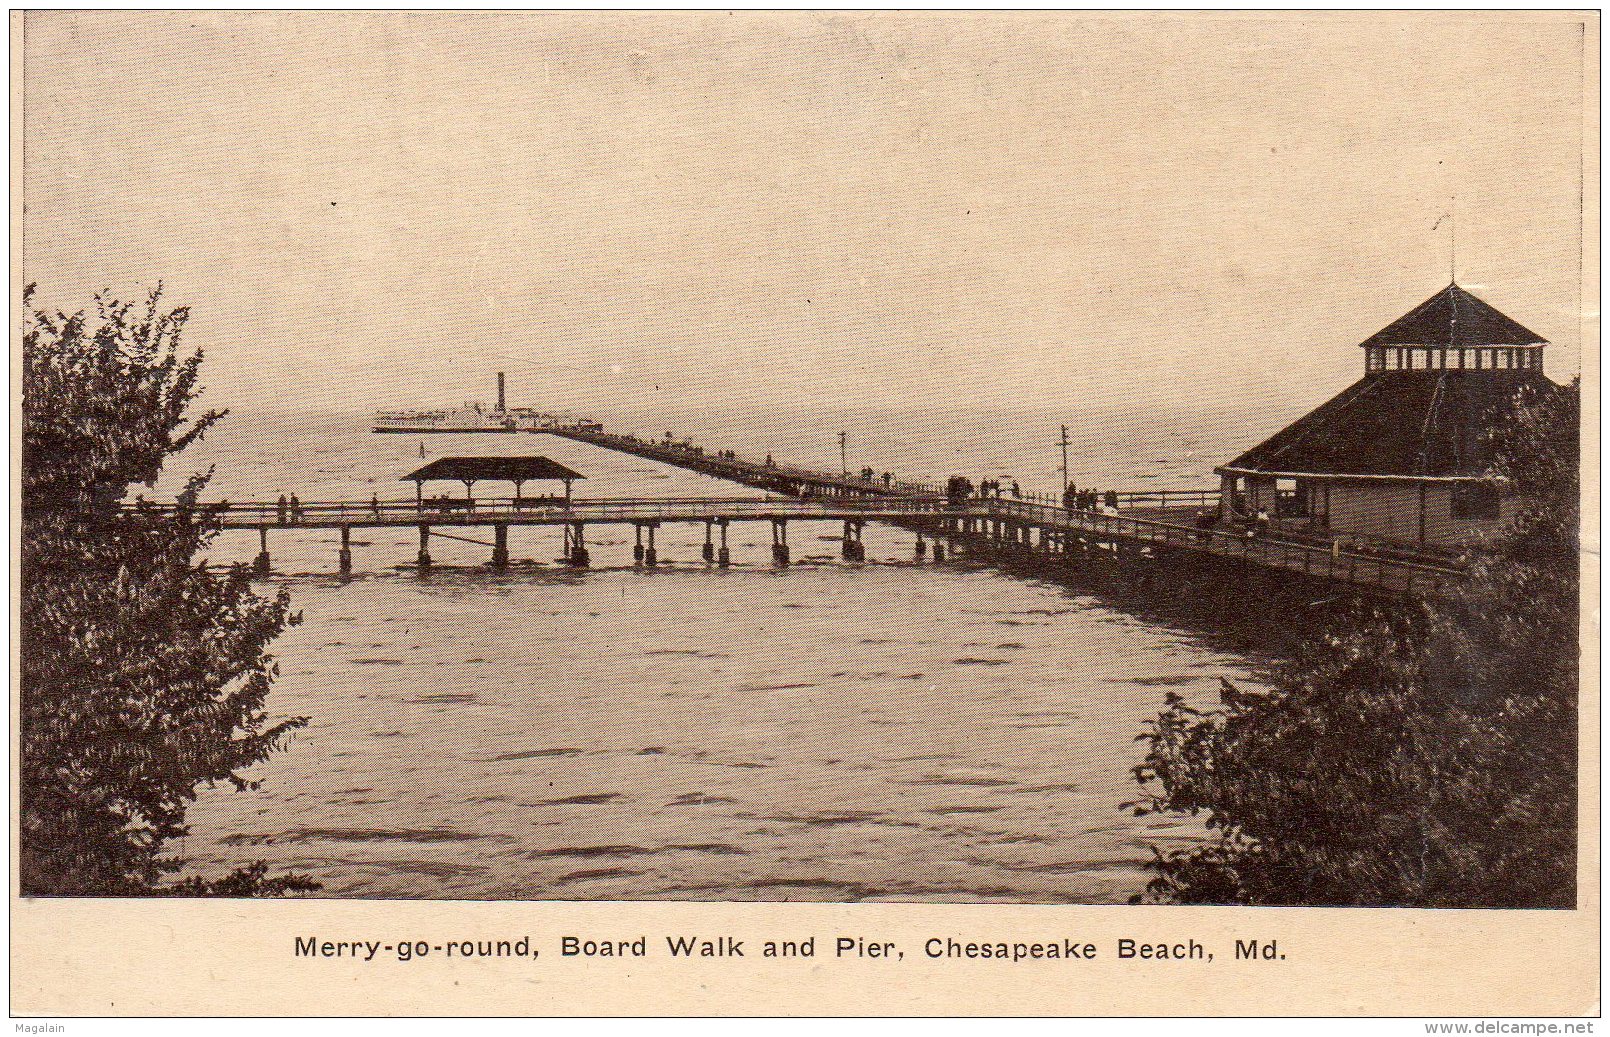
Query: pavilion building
{"points": [[1403, 455]]}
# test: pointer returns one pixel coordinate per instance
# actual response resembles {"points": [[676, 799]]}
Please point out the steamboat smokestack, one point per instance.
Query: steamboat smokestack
{"points": [[501, 408]]}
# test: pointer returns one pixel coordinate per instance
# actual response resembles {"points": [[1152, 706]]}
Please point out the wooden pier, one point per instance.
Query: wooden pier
{"points": [[777, 478], [1154, 522], [1051, 534], [450, 518]]}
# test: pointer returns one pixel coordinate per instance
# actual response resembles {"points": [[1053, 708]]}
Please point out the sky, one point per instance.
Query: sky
{"points": [[1058, 211]]}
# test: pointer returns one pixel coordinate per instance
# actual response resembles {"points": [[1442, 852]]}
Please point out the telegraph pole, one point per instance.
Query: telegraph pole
{"points": [[844, 457], [1063, 442]]}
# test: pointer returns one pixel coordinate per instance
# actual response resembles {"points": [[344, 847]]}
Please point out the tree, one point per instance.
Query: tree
{"points": [[144, 674], [1419, 756]]}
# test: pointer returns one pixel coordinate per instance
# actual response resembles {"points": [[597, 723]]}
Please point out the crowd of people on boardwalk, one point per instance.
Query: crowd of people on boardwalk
{"points": [[959, 489], [868, 475], [995, 488], [1088, 499], [289, 508]]}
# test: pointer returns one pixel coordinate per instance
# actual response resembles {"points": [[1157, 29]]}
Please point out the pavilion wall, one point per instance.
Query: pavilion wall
{"points": [[1390, 510]]}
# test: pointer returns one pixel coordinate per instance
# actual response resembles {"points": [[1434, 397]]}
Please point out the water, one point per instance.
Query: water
{"points": [[838, 731]]}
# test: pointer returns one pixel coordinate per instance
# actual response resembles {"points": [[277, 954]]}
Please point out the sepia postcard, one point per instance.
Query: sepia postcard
{"points": [[805, 514]]}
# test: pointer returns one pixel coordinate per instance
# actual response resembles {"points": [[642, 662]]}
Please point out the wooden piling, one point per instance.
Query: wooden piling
{"points": [[779, 542], [579, 556]]}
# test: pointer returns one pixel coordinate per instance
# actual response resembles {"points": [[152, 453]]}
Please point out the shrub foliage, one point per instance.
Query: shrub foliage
{"points": [[143, 673]]}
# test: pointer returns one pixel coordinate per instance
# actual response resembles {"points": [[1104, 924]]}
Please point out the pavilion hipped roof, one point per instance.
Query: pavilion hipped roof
{"points": [[497, 469], [1424, 424]]}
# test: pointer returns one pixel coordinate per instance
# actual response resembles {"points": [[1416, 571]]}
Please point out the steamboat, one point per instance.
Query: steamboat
{"points": [[476, 417]]}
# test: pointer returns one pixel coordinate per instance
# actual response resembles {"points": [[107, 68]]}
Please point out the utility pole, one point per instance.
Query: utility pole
{"points": [[844, 457], [1063, 442]]}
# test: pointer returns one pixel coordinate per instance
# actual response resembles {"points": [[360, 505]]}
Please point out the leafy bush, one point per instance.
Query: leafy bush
{"points": [[143, 674]]}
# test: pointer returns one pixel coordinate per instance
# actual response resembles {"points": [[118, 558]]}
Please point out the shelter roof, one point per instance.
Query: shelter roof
{"points": [[504, 469]]}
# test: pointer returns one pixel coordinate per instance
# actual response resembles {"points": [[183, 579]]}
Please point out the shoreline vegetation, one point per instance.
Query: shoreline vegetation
{"points": [[1422, 754], [144, 675]]}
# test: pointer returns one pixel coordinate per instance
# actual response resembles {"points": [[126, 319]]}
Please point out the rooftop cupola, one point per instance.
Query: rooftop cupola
{"points": [[1453, 330]]}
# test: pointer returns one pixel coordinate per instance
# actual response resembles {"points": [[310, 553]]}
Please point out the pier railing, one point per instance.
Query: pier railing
{"points": [[483, 511], [1139, 498], [1393, 574]]}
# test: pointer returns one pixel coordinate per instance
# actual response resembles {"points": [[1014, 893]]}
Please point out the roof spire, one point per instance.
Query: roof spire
{"points": [[1453, 240]]}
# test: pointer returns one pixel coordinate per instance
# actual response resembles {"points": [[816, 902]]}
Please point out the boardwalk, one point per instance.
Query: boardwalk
{"points": [[1370, 573], [1147, 520], [431, 517], [1024, 527], [776, 477]]}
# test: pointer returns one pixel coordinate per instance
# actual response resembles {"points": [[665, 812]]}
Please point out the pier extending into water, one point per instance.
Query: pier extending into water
{"points": [[1148, 524], [1026, 530], [451, 518]]}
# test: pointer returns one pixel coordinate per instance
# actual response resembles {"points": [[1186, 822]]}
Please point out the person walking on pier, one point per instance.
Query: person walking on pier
{"points": [[296, 508], [374, 505], [281, 508], [1017, 492], [1111, 500], [1070, 496]]}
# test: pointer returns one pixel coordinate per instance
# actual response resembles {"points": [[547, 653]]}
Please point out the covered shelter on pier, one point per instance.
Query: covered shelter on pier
{"points": [[1404, 455], [471, 470]]}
